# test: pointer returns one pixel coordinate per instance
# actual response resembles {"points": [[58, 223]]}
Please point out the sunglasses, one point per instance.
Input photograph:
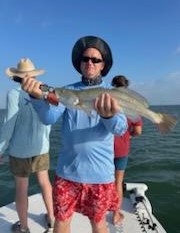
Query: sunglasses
{"points": [[92, 59]]}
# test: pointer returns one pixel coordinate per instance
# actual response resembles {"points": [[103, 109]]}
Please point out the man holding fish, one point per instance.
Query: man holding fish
{"points": [[85, 172]]}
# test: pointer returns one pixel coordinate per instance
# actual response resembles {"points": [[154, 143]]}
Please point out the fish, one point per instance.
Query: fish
{"points": [[131, 103]]}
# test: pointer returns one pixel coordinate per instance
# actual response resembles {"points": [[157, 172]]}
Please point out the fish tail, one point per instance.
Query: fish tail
{"points": [[167, 123]]}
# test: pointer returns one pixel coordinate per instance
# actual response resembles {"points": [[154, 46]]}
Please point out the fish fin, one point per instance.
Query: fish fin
{"points": [[134, 95], [167, 123], [133, 116]]}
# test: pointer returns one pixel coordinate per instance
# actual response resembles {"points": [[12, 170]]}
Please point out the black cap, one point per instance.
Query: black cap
{"points": [[92, 42]]}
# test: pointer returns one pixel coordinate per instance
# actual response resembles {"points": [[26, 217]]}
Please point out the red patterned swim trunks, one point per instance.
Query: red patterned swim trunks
{"points": [[92, 200]]}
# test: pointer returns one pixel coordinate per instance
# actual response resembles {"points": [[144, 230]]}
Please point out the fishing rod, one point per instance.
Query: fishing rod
{"points": [[43, 87], [48, 93]]}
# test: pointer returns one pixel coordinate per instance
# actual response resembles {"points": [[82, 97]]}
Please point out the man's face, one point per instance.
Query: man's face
{"points": [[92, 63]]}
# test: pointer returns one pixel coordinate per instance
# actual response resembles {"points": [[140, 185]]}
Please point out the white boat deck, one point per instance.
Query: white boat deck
{"points": [[80, 224]]}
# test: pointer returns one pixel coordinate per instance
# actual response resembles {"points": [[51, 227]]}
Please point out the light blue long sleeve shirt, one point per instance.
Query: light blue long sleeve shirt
{"points": [[86, 154], [23, 135]]}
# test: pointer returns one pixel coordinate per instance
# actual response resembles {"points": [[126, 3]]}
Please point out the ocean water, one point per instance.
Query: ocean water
{"points": [[154, 160]]}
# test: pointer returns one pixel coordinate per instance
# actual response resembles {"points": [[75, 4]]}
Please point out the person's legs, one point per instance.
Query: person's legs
{"points": [[20, 168], [117, 215], [21, 199], [46, 188], [99, 227], [120, 166], [40, 166], [62, 226]]}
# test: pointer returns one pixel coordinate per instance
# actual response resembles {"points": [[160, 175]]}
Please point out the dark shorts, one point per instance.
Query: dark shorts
{"points": [[121, 163], [24, 167], [92, 200]]}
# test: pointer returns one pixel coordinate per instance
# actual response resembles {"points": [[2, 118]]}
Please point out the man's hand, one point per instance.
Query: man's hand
{"points": [[106, 106], [32, 86]]}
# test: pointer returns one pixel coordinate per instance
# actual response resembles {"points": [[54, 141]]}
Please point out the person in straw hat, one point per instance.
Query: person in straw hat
{"points": [[26, 139], [85, 171]]}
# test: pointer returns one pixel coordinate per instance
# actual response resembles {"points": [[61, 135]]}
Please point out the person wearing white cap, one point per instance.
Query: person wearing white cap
{"points": [[85, 171], [26, 140]]}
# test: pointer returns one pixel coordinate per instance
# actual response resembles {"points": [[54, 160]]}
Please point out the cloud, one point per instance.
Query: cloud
{"points": [[163, 91]]}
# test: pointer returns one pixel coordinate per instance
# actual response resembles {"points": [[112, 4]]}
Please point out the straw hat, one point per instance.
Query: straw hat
{"points": [[92, 42], [25, 66]]}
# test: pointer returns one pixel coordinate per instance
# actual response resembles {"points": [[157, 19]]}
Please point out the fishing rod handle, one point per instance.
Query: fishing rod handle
{"points": [[43, 87], [49, 93]]}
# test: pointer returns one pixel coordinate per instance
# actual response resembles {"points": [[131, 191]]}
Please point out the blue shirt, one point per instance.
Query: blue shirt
{"points": [[86, 154], [23, 135]]}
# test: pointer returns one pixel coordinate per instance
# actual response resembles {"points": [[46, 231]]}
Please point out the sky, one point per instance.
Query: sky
{"points": [[144, 36]]}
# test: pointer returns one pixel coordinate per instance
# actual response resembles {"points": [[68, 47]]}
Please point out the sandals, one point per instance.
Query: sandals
{"points": [[16, 228], [50, 225]]}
